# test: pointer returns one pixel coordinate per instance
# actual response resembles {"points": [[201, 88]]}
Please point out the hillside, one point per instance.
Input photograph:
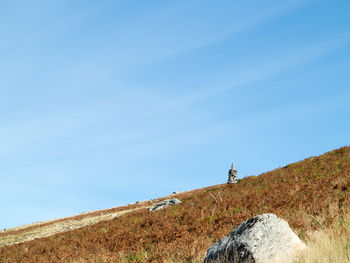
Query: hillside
{"points": [[48, 228], [308, 194]]}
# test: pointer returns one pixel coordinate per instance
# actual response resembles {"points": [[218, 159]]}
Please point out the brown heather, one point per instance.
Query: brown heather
{"points": [[310, 195]]}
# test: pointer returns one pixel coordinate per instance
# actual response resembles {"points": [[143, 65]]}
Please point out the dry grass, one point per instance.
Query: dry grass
{"points": [[49, 229], [330, 245], [309, 195]]}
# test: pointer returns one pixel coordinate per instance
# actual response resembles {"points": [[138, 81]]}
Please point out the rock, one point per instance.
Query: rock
{"points": [[176, 192], [164, 204], [261, 239], [232, 176]]}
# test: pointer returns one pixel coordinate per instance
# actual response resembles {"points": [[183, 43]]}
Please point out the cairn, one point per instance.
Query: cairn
{"points": [[232, 176]]}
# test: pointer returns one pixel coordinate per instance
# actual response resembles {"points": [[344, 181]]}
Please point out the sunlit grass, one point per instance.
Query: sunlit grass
{"points": [[331, 245]]}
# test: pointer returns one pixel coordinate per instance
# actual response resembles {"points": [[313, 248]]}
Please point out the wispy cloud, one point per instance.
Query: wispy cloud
{"points": [[23, 136], [254, 73], [248, 23], [138, 53]]}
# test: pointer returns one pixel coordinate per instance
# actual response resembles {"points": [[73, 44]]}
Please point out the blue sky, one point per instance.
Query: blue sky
{"points": [[104, 103]]}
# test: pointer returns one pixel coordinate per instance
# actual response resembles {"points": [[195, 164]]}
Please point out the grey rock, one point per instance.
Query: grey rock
{"points": [[261, 239], [165, 203]]}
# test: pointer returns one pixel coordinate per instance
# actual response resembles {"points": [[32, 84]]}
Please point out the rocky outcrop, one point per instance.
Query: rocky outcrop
{"points": [[232, 176], [164, 204], [261, 239]]}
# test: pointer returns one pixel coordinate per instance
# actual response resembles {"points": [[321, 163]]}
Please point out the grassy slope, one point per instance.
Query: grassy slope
{"points": [[48, 228], [329, 245], [307, 194]]}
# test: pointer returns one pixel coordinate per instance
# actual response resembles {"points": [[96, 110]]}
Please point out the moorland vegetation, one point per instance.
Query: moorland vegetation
{"points": [[311, 195]]}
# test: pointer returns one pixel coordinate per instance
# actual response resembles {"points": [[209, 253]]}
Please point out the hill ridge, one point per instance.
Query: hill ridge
{"points": [[307, 194]]}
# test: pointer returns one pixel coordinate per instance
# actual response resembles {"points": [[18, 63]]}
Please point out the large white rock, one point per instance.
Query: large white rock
{"points": [[261, 239]]}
